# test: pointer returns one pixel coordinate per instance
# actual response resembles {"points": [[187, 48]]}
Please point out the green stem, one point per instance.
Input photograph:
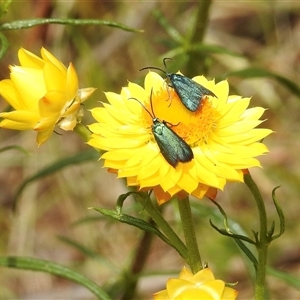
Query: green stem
{"points": [[196, 36], [194, 258], [164, 226], [263, 242], [201, 21], [82, 131]]}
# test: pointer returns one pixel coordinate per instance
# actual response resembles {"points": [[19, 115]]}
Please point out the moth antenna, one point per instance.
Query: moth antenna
{"points": [[151, 115], [154, 68], [164, 61], [152, 103]]}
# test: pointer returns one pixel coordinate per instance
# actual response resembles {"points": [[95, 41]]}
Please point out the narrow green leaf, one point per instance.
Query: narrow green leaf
{"points": [[230, 234], [57, 166], [172, 32], [121, 200], [258, 72], [280, 215], [3, 45], [123, 197], [14, 147], [247, 252], [22, 24], [27, 263], [227, 231], [136, 222], [271, 230]]}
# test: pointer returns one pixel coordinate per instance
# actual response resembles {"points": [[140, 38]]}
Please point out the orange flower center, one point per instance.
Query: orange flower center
{"points": [[193, 127]]}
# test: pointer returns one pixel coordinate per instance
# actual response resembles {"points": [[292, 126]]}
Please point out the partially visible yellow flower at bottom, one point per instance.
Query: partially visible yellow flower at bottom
{"points": [[199, 286], [44, 94]]}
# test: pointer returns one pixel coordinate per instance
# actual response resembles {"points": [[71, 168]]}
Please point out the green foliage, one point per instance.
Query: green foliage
{"points": [[27, 263], [263, 73], [23, 24]]}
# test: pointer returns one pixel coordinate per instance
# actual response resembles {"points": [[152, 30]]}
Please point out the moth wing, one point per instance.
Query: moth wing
{"points": [[173, 148], [184, 151], [189, 91], [165, 143]]}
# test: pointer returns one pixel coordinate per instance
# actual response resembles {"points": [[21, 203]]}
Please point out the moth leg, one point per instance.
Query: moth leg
{"points": [[171, 125]]}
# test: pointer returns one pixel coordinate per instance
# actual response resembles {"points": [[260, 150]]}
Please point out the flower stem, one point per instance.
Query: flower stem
{"points": [[164, 226], [196, 36], [194, 258], [82, 131], [262, 242]]}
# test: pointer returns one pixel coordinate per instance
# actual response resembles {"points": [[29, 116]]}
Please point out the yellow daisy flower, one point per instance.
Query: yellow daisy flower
{"points": [[202, 285], [44, 93], [221, 134]]}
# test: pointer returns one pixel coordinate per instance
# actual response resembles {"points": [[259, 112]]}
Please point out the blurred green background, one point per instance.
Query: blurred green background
{"points": [[255, 34]]}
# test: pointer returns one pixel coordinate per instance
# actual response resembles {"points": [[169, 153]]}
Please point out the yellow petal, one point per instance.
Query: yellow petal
{"points": [[43, 136], [176, 287], [30, 60], [17, 119], [186, 274], [200, 191], [187, 181], [11, 95], [203, 276], [52, 103], [30, 85], [162, 295], [55, 79], [71, 82], [48, 57], [47, 123]]}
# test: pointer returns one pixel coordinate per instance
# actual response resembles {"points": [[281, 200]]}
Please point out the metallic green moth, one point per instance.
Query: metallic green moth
{"points": [[189, 91]]}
